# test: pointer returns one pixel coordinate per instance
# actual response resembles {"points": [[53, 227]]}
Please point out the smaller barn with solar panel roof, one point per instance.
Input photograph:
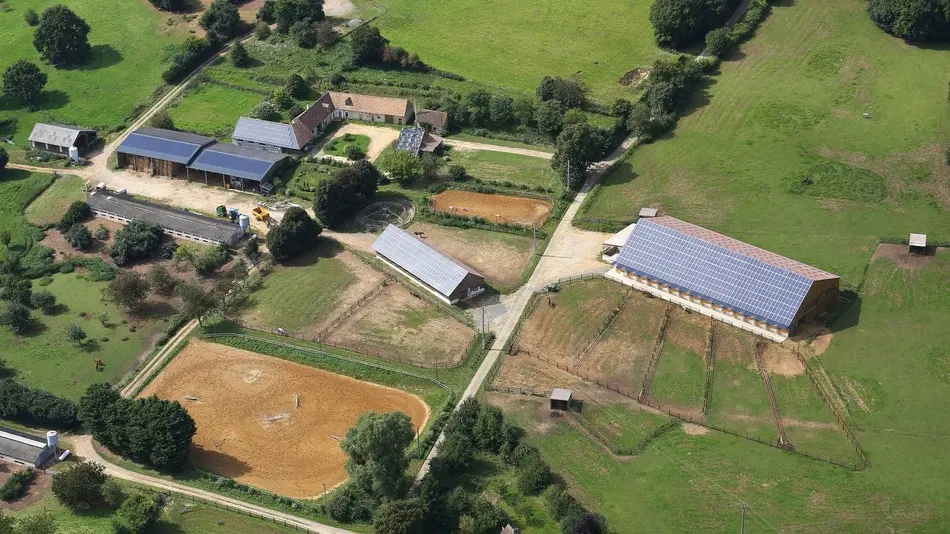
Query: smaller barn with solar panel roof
{"points": [[734, 282], [446, 278]]}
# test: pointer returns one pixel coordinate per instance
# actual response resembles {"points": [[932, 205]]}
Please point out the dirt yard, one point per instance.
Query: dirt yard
{"points": [[398, 324], [250, 427], [781, 361], [38, 488], [561, 328], [623, 353], [902, 258], [494, 208], [500, 257], [524, 371]]}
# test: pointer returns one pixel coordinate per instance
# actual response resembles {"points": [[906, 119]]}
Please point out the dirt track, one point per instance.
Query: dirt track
{"points": [[239, 390], [494, 208]]}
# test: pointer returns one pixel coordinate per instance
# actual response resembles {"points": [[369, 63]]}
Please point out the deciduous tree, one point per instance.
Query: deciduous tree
{"points": [[24, 80], [79, 486], [367, 44], [376, 446], [296, 234], [62, 37], [128, 289]]}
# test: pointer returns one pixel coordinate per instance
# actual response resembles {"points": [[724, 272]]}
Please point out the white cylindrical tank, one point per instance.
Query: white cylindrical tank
{"points": [[244, 221], [74, 153], [51, 439]]}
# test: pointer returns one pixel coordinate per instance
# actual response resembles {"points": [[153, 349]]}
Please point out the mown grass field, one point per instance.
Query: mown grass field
{"points": [[890, 345], [17, 190], [213, 110], [45, 358], [338, 146], [179, 516], [50, 206], [125, 69], [788, 106], [515, 45], [301, 293], [501, 166]]}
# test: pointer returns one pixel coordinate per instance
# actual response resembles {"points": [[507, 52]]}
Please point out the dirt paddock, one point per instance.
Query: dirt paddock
{"points": [[250, 427], [494, 208]]}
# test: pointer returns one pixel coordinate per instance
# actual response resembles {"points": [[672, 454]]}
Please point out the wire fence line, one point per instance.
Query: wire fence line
{"points": [[350, 310], [686, 418], [363, 349], [165, 492]]}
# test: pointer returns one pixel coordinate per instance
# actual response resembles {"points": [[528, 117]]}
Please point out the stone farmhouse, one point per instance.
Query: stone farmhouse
{"points": [[296, 137]]}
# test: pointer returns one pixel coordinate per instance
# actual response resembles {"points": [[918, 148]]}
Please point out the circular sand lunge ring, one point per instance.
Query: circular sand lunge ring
{"points": [[378, 215]]}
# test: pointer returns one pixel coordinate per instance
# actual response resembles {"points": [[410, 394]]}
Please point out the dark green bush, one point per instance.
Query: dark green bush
{"points": [[17, 485]]}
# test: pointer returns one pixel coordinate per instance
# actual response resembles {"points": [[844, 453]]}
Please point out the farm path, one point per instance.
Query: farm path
{"points": [[142, 376], [84, 448], [574, 248], [471, 145]]}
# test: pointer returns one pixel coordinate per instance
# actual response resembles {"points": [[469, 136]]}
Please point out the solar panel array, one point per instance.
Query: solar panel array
{"points": [[420, 260], [725, 277], [236, 161], [148, 146], [266, 132], [410, 139]]}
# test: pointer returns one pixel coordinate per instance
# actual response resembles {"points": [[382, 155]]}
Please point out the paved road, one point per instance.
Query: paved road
{"points": [[84, 448], [471, 145]]}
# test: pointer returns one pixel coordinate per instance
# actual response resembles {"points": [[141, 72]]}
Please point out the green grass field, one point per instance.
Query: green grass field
{"points": [[515, 45], [213, 110], [891, 344], [45, 358], [679, 379], [789, 105], [17, 190], [625, 428], [738, 399], [301, 293], [49, 207], [127, 41], [501, 166], [179, 516], [338, 145]]}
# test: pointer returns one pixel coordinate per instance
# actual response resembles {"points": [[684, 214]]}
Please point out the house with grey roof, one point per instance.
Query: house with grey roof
{"points": [[160, 152], [269, 135], [238, 167], [59, 138], [26, 449], [448, 279]]}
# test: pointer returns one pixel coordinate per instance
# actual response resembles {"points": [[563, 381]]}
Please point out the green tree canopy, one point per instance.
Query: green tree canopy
{"points": [[221, 19], [128, 289], [403, 167], [368, 44], [401, 517], [297, 233], [62, 37], [376, 446], [79, 486], [24, 80]]}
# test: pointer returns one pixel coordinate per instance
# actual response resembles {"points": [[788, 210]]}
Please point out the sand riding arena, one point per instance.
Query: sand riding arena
{"points": [[494, 208], [271, 423]]}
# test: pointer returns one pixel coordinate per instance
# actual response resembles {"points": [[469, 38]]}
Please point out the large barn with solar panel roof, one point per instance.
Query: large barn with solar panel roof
{"points": [[441, 275], [716, 275]]}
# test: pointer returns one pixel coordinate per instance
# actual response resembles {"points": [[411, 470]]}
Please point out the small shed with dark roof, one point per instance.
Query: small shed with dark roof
{"points": [[446, 278], [432, 121], [238, 167], [59, 138], [160, 152], [23, 448]]}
